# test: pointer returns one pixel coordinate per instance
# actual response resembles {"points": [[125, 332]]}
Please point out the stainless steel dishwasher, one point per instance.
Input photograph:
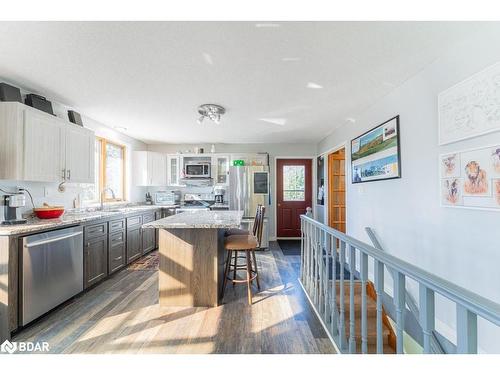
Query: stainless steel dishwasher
{"points": [[52, 270]]}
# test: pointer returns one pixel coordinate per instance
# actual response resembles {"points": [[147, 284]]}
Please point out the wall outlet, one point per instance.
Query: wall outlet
{"points": [[361, 190]]}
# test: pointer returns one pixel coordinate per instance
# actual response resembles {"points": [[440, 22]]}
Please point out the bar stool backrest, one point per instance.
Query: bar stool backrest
{"points": [[260, 223], [254, 228]]}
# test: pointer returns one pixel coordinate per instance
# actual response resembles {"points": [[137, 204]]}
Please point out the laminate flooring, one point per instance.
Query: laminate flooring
{"points": [[122, 315]]}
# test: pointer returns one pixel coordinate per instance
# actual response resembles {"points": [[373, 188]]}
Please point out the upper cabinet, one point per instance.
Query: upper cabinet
{"points": [[79, 154], [174, 170], [43, 148], [220, 174], [150, 168], [36, 146]]}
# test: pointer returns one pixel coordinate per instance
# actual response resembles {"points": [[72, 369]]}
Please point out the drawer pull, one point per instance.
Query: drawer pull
{"points": [[118, 258]]}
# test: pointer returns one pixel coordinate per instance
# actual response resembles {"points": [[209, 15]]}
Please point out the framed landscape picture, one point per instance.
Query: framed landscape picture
{"points": [[375, 155]]}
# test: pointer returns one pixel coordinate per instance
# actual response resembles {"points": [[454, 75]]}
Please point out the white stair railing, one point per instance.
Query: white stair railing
{"points": [[322, 246], [410, 302]]}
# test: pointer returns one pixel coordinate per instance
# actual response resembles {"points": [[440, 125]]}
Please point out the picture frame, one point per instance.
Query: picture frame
{"points": [[376, 154], [479, 169], [468, 109]]}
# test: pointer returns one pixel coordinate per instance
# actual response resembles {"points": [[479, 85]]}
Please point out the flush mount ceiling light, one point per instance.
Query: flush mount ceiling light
{"points": [[211, 111]]}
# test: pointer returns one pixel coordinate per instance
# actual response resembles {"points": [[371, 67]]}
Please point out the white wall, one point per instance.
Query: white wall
{"points": [[460, 245], [37, 189], [273, 149]]}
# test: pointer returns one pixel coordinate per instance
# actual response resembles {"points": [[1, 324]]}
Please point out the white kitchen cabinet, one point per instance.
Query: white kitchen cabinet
{"points": [[79, 154], [150, 168], [220, 165], [43, 148], [36, 146], [174, 170]]}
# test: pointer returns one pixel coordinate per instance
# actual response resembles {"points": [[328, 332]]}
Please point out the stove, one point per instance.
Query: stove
{"points": [[195, 202]]}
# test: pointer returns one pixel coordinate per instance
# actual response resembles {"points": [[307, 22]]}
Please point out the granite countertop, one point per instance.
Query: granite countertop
{"points": [[199, 219], [72, 217]]}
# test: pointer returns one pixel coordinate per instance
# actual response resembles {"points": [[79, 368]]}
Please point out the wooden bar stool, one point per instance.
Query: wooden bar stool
{"points": [[239, 231], [248, 244]]}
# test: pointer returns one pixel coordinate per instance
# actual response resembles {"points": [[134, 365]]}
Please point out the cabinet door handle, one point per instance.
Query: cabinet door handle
{"points": [[69, 174], [64, 174], [118, 258]]}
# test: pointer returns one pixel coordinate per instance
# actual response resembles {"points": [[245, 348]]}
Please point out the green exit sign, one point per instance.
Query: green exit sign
{"points": [[238, 163]]}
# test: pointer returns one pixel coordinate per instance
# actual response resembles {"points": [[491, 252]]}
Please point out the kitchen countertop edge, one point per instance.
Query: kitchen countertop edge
{"points": [[39, 225]]}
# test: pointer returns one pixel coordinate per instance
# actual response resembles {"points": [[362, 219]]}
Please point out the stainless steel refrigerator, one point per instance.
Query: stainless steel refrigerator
{"points": [[249, 187]]}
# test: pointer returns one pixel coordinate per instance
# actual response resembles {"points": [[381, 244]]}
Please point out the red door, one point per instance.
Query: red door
{"points": [[294, 194]]}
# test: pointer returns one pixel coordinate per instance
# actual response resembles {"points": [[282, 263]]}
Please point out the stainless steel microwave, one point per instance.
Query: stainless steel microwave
{"points": [[197, 170]]}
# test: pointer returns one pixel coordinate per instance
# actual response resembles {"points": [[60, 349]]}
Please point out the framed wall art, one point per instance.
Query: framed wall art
{"points": [[471, 107], [375, 155], [471, 178]]}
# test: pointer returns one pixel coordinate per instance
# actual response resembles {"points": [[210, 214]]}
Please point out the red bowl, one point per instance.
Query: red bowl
{"points": [[48, 212]]}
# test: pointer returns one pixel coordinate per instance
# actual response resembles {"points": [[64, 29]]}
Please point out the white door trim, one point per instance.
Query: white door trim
{"points": [[347, 175]]}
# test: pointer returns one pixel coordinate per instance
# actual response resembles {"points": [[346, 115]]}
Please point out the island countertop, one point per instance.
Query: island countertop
{"points": [[199, 219]]}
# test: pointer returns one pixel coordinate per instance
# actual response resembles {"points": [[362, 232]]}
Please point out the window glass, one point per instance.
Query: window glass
{"points": [[114, 171], [294, 182]]}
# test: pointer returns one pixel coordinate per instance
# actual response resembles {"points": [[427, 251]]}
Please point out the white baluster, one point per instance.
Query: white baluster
{"points": [[352, 319], [333, 311], [302, 257], [327, 300], [466, 331], [399, 299], [342, 297], [364, 321], [379, 288], [426, 315], [320, 271]]}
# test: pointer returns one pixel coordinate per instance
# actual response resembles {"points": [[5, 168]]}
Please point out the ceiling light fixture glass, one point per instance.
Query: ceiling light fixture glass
{"points": [[211, 111]]}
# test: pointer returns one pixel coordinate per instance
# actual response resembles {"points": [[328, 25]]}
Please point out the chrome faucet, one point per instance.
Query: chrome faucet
{"points": [[102, 196]]}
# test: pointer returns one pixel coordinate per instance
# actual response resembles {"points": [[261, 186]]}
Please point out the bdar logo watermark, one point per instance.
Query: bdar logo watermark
{"points": [[24, 347]]}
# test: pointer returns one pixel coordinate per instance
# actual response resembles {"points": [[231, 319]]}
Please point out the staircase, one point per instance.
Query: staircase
{"points": [[371, 313]]}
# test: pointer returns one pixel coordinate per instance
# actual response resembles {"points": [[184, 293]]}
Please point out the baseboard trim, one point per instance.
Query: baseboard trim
{"points": [[288, 238], [319, 318]]}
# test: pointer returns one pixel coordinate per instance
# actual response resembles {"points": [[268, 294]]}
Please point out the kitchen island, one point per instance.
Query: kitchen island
{"points": [[192, 255]]}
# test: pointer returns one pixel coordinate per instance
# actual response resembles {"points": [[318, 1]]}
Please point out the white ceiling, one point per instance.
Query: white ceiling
{"points": [[150, 77]]}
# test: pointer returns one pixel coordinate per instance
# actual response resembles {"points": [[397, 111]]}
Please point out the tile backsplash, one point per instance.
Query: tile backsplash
{"points": [[47, 192]]}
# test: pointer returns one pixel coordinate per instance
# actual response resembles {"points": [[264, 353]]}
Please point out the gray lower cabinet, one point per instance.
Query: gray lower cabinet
{"points": [[117, 254], [157, 232], [148, 235], [117, 257], [95, 255], [110, 246], [134, 238]]}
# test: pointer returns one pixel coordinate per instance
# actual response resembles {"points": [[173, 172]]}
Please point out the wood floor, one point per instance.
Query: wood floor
{"points": [[122, 315]]}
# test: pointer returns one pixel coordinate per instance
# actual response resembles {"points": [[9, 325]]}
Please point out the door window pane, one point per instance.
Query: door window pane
{"points": [[294, 182]]}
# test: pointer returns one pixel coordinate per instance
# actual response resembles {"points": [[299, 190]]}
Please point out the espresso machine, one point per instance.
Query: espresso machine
{"points": [[10, 212], [219, 194]]}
